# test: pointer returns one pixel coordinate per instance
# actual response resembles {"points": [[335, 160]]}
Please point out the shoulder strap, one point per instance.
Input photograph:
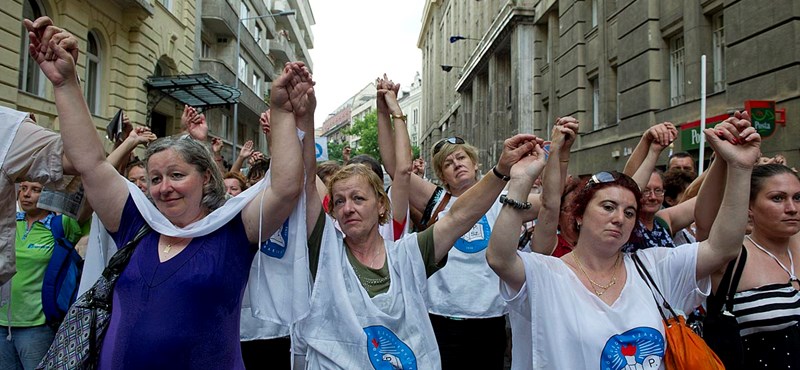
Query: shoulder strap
{"points": [[426, 214], [652, 283], [442, 204], [57, 227], [123, 255], [734, 284]]}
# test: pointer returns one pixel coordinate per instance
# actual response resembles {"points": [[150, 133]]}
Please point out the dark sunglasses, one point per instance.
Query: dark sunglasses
{"points": [[600, 178], [451, 140]]}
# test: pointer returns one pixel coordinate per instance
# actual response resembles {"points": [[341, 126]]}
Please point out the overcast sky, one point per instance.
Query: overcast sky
{"points": [[356, 41]]}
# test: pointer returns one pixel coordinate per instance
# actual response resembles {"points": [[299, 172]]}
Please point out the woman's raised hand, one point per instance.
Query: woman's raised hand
{"points": [[531, 164], [54, 49], [514, 149], [735, 141], [564, 134], [661, 135]]}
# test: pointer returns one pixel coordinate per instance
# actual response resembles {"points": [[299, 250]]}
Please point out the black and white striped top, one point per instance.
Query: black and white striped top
{"points": [[768, 308]]}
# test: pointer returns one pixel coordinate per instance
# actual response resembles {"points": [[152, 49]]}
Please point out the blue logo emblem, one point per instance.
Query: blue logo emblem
{"points": [[640, 348], [386, 351], [318, 150], [477, 239], [276, 245]]}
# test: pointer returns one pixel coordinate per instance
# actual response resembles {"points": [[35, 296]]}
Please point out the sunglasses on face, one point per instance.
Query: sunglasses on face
{"points": [[451, 140]]}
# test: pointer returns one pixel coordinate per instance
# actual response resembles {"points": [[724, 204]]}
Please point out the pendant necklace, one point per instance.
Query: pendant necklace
{"points": [[599, 289], [790, 270]]}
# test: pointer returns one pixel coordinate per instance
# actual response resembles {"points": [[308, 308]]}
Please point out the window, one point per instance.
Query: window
{"points": [[226, 134], [547, 120], [718, 27], [242, 69], [548, 47], [166, 3], [595, 86], [31, 78], [676, 70], [258, 33], [244, 12], [205, 51], [593, 18], [92, 85], [257, 85]]}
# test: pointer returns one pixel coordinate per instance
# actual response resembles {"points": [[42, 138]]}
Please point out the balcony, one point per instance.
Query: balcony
{"points": [[219, 17], [141, 5], [281, 50]]}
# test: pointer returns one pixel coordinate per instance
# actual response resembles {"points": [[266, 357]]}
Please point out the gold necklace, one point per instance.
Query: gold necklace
{"points": [[599, 289], [167, 248]]}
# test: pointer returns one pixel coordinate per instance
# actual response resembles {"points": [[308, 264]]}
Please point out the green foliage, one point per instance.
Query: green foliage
{"points": [[367, 130], [415, 150], [335, 151]]}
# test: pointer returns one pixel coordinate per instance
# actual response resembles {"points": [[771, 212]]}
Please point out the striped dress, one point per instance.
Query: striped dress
{"points": [[768, 319]]}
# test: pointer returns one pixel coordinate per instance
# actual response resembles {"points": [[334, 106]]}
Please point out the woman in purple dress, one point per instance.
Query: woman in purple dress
{"points": [[177, 303]]}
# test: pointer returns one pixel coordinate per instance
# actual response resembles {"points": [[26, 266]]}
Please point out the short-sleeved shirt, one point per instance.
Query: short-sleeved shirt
{"points": [[33, 155], [181, 313], [660, 236], [426, 247], [34, 247]]}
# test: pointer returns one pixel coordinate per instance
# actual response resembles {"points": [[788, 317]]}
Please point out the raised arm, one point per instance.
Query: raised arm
{"points": [[386, 137], [139, 136], [725, 238], [545, 236], [662, 134], [401, 173], [666, 134], [476, 201], [713, 186], [502, 252], [55, 51], [305, 121], [291, 92], [244, 153]]}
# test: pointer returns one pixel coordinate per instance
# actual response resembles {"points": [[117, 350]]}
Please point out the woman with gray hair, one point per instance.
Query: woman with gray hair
{"points": [[177, 303]]}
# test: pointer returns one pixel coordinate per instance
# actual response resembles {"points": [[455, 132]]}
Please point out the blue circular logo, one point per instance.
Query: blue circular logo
{"points": [[476, 239], [386, 351], [319, 150], [638, 348]]}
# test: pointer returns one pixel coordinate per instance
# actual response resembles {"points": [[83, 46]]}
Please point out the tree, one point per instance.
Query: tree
{"points": [[415, 151], [335, 150], [366, 130]]}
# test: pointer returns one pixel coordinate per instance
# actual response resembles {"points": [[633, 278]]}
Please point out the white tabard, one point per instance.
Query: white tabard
{"points": [[347, 329]]}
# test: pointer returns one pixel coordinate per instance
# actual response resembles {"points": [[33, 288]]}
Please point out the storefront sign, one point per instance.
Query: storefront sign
{"points": [[690, 132], [764, 116]]}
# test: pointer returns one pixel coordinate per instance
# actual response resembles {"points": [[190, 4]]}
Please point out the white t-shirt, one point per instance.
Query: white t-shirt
{"points": [[559, 324]]}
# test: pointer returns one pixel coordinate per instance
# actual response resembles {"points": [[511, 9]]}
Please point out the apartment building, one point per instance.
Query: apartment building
{"points": [[494, 68]]}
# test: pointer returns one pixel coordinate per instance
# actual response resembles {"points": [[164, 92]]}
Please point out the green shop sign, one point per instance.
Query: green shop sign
{"points": [[690, 132], [764, 116]]}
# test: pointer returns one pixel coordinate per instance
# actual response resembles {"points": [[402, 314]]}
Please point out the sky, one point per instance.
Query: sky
{"points": [[355, 41]]}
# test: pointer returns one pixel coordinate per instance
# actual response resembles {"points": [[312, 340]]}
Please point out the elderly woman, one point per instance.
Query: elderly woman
{"points": [[368, 302], [177, 303], [593, 298]]}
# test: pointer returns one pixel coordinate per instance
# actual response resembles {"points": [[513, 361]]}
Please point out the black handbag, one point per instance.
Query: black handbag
{"points": [[77, 341], [720, 329]]}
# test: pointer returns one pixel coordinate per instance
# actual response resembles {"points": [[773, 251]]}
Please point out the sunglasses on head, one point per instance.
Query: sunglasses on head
{"points": [[600, 178], [451, 140]]}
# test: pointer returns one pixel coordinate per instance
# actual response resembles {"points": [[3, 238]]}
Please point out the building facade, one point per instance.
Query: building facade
{"points": [[272, 33], [354, 108], [411, 105], [500, 67], [122, 43]]}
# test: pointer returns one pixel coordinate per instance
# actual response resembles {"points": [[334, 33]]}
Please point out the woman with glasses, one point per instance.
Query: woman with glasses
{"points": [[465, 308], [656, 225], [177, 303], [592, 300]]}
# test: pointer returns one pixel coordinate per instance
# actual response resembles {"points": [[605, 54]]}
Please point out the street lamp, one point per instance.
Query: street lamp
{"points": [[455, 38], [236, 72]]}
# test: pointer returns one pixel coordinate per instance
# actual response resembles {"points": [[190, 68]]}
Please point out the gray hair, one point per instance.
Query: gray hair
{"points": [[197, 154]]}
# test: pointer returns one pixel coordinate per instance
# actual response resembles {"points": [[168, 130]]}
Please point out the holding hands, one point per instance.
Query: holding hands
{"points": [[661, 135], [736, 141], [54, 49], [142, 135], [564, 134], [293, 91], [387, 96], [515, 149]]}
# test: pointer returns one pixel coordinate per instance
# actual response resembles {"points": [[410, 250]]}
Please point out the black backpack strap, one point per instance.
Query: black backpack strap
{"points": [[426, 214]]}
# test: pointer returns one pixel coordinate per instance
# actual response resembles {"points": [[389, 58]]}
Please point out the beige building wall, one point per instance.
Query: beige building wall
{"points": [[619, 66], [132, 35]]}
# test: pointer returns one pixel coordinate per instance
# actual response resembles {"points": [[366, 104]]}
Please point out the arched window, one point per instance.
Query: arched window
{"points": [[92, 87], [31, 78]]}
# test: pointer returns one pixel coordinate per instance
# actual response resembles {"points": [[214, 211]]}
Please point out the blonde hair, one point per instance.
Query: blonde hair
{"points": [[367, 174], [445, 150]]}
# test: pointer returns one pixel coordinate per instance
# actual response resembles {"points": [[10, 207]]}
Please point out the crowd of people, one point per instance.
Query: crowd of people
{"points": [[281, 262]]}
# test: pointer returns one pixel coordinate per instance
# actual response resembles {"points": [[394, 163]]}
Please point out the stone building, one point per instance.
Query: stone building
{"points": [[354, 108], [411, 104], [272, 33], [122, 43], [498, 67]]}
